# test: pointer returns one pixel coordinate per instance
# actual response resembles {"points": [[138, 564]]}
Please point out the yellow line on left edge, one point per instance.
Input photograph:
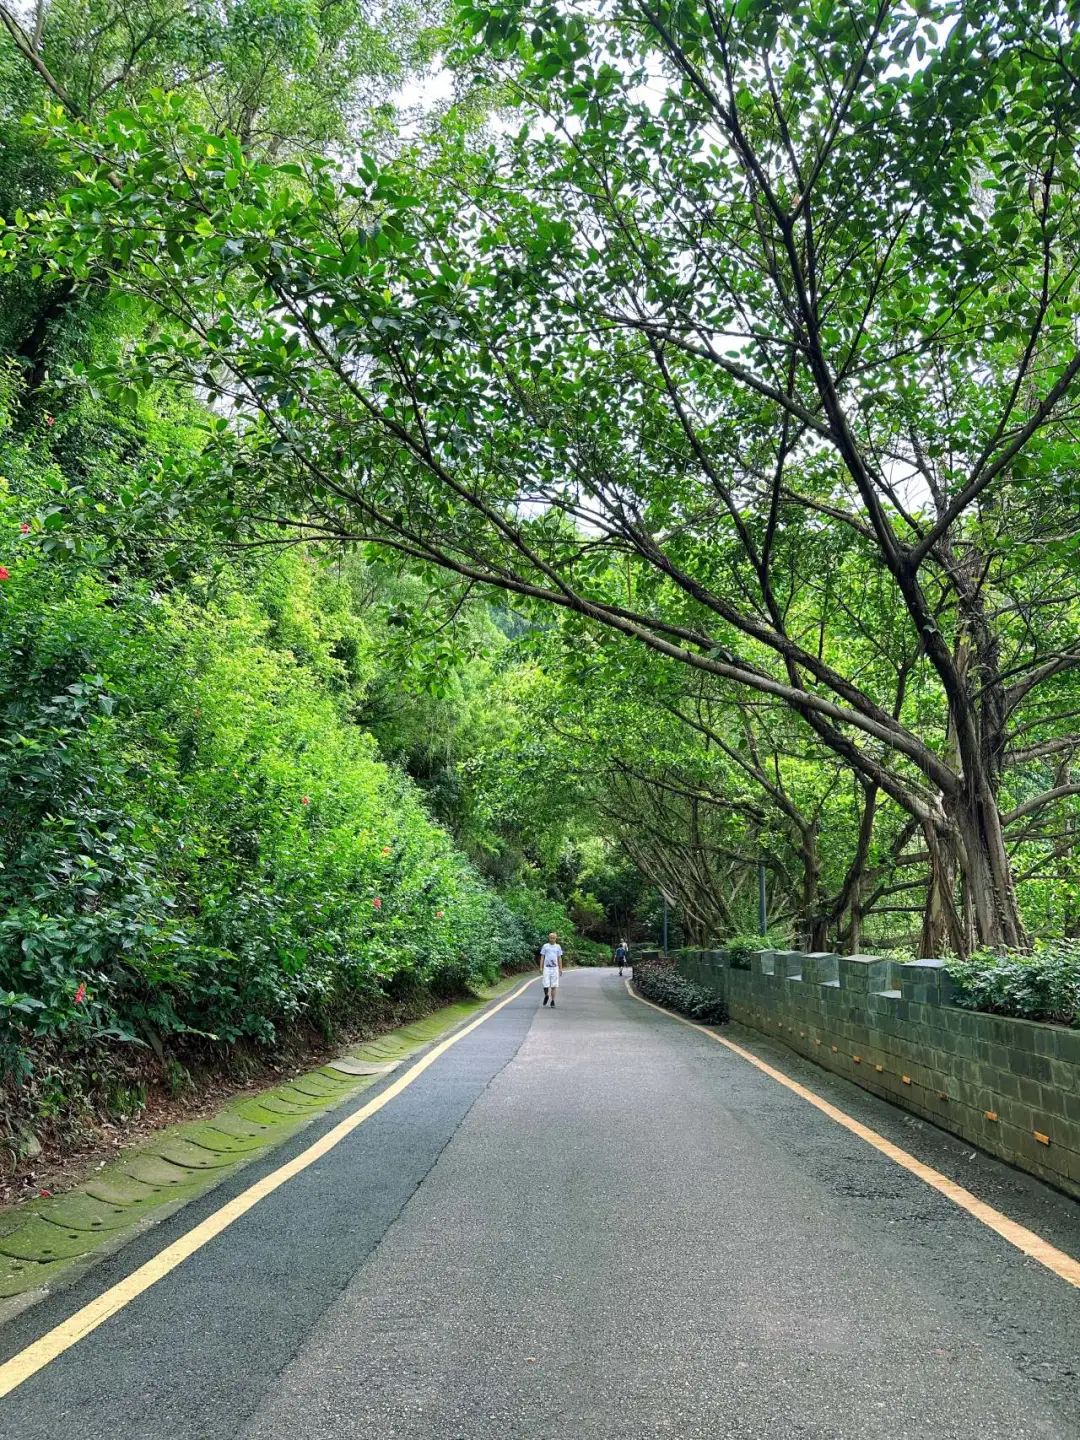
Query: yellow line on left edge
{"points": [[70, 1331]]}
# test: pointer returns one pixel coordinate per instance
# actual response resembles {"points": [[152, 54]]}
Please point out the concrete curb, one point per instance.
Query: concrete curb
{"points": [[47, 1243]]}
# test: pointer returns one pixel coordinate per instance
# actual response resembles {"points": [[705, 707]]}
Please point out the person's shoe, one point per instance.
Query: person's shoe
{"points": [[545, 997]]}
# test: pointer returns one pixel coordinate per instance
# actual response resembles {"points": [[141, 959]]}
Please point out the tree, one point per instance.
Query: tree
{"points": [[286, 77], [757, 298], [701, 782]]}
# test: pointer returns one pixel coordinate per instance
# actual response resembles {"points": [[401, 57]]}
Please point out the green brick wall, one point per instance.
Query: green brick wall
{"points": [[1009, 1086]]}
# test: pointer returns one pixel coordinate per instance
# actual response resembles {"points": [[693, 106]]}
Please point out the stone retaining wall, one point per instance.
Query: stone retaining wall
{"points": [[1010, 1086]]}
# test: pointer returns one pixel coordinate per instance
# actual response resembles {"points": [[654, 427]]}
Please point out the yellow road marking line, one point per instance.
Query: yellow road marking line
{"points": [[70, 1331], [1019, 1235]]}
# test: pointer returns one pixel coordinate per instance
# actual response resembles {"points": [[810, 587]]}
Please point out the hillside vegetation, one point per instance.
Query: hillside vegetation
{"points": [[643, 469]]}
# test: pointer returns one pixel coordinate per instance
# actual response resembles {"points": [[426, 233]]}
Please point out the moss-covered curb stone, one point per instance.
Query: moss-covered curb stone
{"points": [[55, 1239]]}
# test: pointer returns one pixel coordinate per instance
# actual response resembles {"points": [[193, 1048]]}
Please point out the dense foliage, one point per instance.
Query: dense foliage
{"points": [[648, 469], [661, 983], [233, 799], [1043, 985], [764, 367], [195, 839], [193, 829]]}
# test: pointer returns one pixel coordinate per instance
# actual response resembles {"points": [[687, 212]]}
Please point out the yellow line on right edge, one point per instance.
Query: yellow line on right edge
{"points": [[1019, 1235], [70, 1331]]}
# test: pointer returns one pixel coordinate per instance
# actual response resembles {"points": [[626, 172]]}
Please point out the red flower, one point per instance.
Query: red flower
{"points": [[305, 800], [377, 903], [50, 419], [5, 574], [45, 1194], [439, 914], [80, 994], [24, 528]]}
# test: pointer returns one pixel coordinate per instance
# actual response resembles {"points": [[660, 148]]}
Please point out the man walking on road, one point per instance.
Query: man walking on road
{"points": [[551, 967], [622, 955]]}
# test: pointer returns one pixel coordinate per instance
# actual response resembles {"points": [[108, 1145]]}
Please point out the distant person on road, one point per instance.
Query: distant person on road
{"points": [[622, 955], [551, 967]]}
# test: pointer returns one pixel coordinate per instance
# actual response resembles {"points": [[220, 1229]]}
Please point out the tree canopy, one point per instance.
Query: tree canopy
{"points": [[697, 383]]}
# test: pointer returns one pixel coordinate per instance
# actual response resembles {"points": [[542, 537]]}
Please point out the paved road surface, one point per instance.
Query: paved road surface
{"points": [[587, 1224]]}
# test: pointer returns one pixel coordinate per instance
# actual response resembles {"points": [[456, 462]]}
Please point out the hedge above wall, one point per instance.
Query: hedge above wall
{"points": [[1010, 1086]]}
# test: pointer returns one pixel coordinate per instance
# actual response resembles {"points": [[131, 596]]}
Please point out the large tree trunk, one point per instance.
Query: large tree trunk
{"points": [[971, 897], [940, 928], [989, 886], [971, 900]]}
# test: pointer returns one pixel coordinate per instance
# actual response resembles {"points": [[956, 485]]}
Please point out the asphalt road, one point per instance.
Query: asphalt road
{"points": [[583, 1224]]}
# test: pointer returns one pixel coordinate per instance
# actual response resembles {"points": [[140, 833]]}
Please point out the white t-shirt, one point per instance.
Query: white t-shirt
{"points": [[551, 954]]}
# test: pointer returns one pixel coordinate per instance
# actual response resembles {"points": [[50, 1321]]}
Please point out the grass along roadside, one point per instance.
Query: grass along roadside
{"points": [[50, 1240]]}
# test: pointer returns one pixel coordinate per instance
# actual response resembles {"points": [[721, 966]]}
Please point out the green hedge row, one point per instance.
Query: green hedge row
{"points": [[661, 983], [197, 846], [1044, 985]]}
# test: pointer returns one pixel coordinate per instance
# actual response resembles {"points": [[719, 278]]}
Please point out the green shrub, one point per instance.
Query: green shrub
{"points": [[661, 983], [588, 953], [740, 947], [1042, 986], [197, 844]]}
